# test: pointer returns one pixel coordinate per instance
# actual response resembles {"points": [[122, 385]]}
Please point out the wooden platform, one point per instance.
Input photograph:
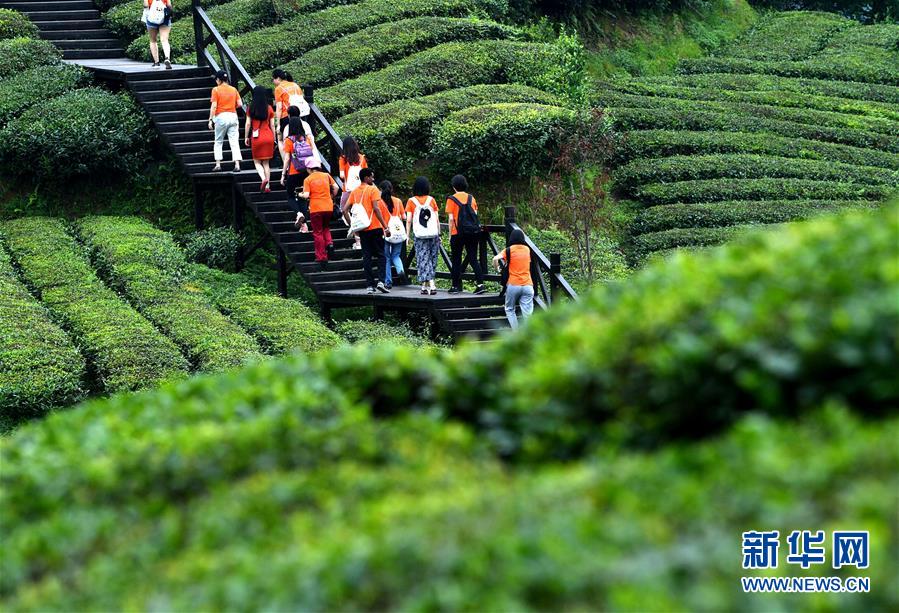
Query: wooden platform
{"points": [[120, 68]]}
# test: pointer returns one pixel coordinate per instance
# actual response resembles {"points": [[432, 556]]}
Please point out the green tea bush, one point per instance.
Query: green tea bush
{"points": [[770, 83], [124, 351], [788, 36], [14, 24], [882, 110], [735, 212], [742, 166], [40, 368], [19, 54], [608, 260], [660, 143], [646, 244], [215, 247], [511, 140], [83, 131], [230, 19], [443, 67], [707, 190], [671, 119], [267, 47], [286, 9], [147, 266], [395, 134], [384, 43], [36, 86], [279, 324], [851, 68], [800, 115], [371, 332]]}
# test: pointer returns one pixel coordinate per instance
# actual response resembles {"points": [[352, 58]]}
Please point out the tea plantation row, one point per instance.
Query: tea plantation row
{"points": [[712, 151], [290, 483]]}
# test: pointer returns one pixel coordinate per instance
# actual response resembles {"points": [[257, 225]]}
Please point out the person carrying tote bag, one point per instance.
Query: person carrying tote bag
{"points": [[519, 288]]}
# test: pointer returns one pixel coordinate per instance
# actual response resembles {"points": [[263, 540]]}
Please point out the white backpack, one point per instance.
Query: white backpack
{"points": [[155, 14], [397, 230], [431, 226], [359, 218], [352, 180], [296, 99]]}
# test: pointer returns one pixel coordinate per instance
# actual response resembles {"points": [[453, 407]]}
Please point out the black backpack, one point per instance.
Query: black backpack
{"points": [[504, 272], [468, 222]]}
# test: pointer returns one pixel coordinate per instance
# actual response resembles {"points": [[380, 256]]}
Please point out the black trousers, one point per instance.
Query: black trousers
{"points": [[468, 243], [373, 244], [291, 183]]}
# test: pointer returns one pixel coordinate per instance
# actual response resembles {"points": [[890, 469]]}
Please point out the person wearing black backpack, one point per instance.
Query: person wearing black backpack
{"points": [[465, 234]]}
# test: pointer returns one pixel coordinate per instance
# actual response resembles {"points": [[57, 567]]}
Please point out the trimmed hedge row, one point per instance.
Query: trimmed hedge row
{"points": [[761, 82], [40, 368], [14, 24], [38, 85], [20, 54], [146, 264], [643, 245], [709, 190], [278, 471], [838, 65], [739, 166], [443, 67], [880, 110], [876, 125], [779, 37], [395, 134], [883, 35], [735, 212], [280, 325], [124, 351], [230, 19], [268, 47], [285, 9], [499, 140], [660, 143], [384, 43], [83, 131], [672, 119]]}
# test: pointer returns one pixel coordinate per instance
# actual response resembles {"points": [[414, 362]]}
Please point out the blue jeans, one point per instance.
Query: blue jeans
{"points": [[523, 296], [393, 253]]}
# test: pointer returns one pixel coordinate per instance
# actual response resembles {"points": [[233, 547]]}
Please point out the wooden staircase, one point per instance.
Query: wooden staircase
{"points": [[177, 101], [72, 25]]}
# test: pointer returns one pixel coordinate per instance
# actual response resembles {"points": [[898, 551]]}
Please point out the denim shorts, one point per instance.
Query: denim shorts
{"points": [[166, 23]]}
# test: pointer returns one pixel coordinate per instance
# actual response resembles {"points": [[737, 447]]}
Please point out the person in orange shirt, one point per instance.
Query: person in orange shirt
{"points": [[320, 189], [465, 234], [393, 251], [372, 238], [284, 89], [520, 288], [223, 107], [351, 161], [296, 169], [426, 230]]}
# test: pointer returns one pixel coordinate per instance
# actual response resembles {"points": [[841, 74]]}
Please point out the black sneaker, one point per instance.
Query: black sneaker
{"points": [[154, 65], [480, 289], [455, 290], [383, 288], [168, 65]]}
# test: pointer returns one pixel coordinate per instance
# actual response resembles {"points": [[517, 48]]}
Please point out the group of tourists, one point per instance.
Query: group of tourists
{"points": [[378, 221]]}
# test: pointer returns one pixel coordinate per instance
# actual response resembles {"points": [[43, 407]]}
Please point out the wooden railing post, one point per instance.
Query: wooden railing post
{"points": [[509, 219], [198, 34], [555, 269]]}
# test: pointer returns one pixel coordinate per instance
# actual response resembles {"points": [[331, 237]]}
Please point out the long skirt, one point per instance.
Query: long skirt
{"points": [[426, 257]]}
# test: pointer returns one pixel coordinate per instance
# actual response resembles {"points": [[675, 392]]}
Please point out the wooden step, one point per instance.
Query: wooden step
{"points": [[156, 83], [331, 274], [487, 323], [71, 25], [75, 34], [474, 312], [77, 15], [93, 54], [184, 75], [333, 266], [69, 5], [340, 285], [183, 104], [88, 43]]}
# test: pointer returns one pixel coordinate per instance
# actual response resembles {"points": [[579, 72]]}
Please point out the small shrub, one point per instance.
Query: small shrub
{"points": [[91, 130], [268, 47], [443, 67], [38, 85], [40, 368], [147, 266], [382, 44], [638, 144], [14, 24], [379, 332], [124, 350], [395, 134], [20, 54], [215, 247], [280, 325], [609, 263], [499, 140]]}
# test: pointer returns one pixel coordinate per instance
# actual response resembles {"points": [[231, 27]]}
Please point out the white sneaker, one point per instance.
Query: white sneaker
{"points": [[383, 288], [357, 246], [370, 290]]}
